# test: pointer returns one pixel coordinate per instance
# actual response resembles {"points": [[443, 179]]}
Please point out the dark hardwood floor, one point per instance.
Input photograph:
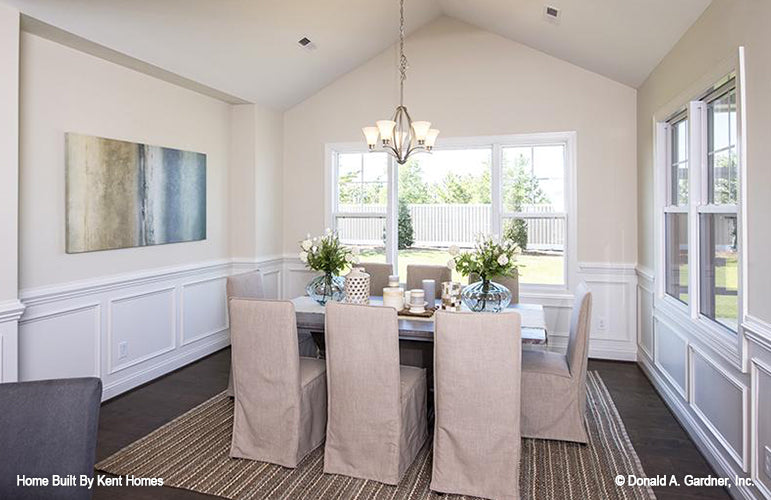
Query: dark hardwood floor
{"points": [[662, 445]]}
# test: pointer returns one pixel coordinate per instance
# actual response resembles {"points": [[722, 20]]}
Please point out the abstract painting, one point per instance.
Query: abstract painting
{"points": [[123, 194]]}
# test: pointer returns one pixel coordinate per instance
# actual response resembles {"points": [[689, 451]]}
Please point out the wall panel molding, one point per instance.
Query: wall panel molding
{"points": [[136, 322], [716, 402], [206, 310], [131, 302], [740, 456]]}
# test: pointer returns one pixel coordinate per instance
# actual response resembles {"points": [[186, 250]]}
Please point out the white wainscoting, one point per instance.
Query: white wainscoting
{"points": [[130, 329], [720, 406], [758, 334]]}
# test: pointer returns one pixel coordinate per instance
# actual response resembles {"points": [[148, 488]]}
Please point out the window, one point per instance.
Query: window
{"points": [[534, 209], [514, 186], [676, 211], [718, 224], [701, 225], [361, 202]]}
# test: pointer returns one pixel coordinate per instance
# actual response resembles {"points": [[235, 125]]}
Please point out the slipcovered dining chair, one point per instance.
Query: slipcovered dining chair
{"points": [[378, 276], [377, 409], [510, 282], [247, 286], [477, 401], [554, 384], [416, 273], [280, 410]]}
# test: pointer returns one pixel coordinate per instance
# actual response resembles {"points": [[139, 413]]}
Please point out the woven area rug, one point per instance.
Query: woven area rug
{"points": [[191, 452]]}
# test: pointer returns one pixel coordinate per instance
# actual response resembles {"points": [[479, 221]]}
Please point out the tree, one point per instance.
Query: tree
{"points": [[524, 190], [412, 187], [454, 189], [406, 231]]}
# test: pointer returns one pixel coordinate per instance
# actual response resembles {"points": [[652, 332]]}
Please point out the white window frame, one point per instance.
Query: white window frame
{"points": [[496, 144], [725, 342]]}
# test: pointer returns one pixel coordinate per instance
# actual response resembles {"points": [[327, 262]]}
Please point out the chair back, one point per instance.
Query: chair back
{"points": [[363, 384], [578, 342], [378, 276], [417, 273], [246, 285], [266, 364], [48, 427], [477, 373]]}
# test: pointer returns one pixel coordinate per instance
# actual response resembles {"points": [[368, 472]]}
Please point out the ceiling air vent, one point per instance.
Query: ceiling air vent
{"points": [[552, 14], [306, 43]]}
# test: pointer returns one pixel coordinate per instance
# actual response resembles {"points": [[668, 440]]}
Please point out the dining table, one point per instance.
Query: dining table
{"points": [[416, 330]]}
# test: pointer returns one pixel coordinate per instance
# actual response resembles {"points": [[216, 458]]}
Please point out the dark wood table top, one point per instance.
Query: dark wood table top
{"points": [[421, 330]]}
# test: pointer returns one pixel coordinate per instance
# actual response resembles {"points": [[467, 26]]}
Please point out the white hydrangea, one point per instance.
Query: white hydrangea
{"points": [[306, 245], [454, 250], [304, 256], [451, 264], [502, 259]]}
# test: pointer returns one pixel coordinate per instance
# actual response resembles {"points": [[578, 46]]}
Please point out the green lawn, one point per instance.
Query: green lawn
{"points": [[726, 278], [534, 268]]}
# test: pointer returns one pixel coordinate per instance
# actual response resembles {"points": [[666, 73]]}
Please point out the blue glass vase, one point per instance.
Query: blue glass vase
{"points": [[486, 296], [325, 288]]}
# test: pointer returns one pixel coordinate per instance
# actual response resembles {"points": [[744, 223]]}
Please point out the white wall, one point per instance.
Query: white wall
{"points": [[470, 82], [126, 315], [64, 90], [256, 182], [10, 308], [723, 401]]}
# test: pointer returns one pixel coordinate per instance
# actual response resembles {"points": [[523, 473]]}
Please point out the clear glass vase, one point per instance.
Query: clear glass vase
{"points": [[325, 288], [486, 296]]}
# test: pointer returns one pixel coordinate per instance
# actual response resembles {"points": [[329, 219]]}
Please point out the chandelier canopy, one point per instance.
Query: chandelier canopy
{"points": [[400, 136]]}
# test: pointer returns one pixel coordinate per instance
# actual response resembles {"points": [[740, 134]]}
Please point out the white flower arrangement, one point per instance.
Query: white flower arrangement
{"points": [[490, 257], [326, 253]]}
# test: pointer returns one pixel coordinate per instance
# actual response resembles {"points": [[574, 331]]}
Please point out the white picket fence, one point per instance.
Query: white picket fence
{"points": [[440, 225]]}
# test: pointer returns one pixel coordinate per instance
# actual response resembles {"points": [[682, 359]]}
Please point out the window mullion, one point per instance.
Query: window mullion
{"points": [[697, 164], [496, 197], [392, 210]]}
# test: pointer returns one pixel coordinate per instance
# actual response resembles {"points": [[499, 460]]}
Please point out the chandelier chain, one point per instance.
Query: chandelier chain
{"points": [[402, 58]]}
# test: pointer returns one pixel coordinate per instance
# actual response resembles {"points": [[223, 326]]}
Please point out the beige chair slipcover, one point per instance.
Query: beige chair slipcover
{"points": [[378, 276], [377, 409], [510, 282], [554, 385], [248, 286], [417, 273], [477, 400], [280, 409]]}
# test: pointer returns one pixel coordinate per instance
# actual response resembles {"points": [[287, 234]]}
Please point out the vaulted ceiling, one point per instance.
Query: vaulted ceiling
{"points": [[248, 48]]}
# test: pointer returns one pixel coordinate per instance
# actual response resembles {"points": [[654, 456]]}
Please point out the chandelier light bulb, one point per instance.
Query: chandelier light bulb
{"points": [[421, 130], [386, 128], [431, 136], [371, 134]]}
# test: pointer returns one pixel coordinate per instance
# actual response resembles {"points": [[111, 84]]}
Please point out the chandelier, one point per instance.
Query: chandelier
{"points": [[400, 136]]}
